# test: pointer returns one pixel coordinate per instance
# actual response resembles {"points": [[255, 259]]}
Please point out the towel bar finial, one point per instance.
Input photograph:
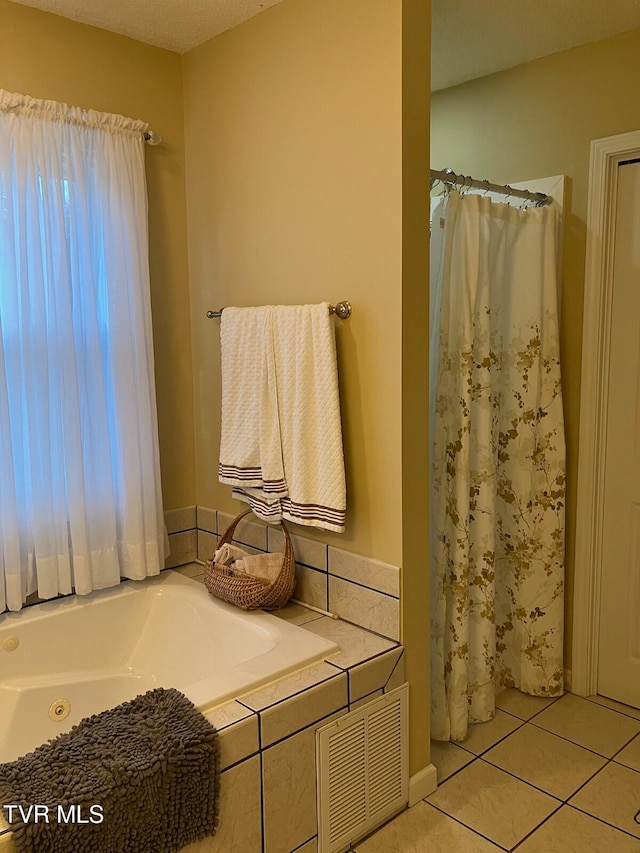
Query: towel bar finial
{"points": [[341, 310]]}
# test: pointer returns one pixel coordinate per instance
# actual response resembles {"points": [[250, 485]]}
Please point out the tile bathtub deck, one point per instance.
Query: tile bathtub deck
{"points": [[280, 716], [544, 776]]}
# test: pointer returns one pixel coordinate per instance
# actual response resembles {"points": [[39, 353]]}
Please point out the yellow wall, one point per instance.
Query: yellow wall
{"points": [[293, 127], [47, 56], [295, 193], [530, 122]]}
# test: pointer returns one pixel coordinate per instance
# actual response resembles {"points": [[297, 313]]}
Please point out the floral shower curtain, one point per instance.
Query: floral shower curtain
{"points": [[498, 478]]}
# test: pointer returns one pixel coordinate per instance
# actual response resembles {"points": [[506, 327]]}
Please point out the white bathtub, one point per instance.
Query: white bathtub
{"points": [[96, 651]]}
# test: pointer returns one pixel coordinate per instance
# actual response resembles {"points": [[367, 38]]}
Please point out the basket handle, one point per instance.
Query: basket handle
{"points": [[227, 536]]}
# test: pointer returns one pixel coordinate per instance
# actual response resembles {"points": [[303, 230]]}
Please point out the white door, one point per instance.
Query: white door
{"points": [[619, 647]]}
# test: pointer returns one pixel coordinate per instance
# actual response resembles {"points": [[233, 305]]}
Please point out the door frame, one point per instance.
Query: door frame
{"points": [[606, 154]]}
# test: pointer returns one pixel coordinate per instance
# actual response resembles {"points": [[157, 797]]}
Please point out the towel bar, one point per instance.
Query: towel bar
{"points": [[340, 309]]}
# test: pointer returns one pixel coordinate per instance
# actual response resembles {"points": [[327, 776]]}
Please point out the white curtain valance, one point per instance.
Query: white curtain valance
{"points": [[25, 105]]}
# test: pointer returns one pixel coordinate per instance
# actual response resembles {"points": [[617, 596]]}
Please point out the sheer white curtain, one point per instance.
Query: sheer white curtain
{"points": [[498, 461], [80, 500]]}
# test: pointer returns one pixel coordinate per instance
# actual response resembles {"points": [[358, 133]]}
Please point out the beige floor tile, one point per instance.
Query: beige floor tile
{"points": [[614, 796], [630, 755], [521, 704], [482, 736], [588, 724], [616, 706], [423, 829], [447, 758], [571, 831], [493, 803], [545, 760]]}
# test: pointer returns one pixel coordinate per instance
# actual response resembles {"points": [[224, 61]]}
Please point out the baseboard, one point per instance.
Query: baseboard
{"points": [[422, 783]]}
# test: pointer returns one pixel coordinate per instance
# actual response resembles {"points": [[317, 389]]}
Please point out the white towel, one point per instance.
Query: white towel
{"points": [[228, 553], [281, 442]]}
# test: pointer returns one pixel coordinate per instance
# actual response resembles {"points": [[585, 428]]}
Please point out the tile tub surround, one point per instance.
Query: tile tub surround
{"points": [[183, 536], [278, 723], [361, 590], [267, 737]]}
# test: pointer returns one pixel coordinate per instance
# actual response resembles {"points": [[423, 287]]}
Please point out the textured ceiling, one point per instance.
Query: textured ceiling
{"points": [[472, 38], [174, 24]]}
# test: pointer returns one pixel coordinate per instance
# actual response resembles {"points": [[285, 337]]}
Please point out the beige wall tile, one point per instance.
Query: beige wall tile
{"points": [[238, 732], [372, 610], [207, 544], [307, 551], [180, 519], [290, 685], [549, 762], [184, 548], [302, 710], [588, 724], [372, 675], [309, 847], [422, 829], [239, 741], [571, 831], [206, 519], [239, 827], [397, 677], [359, 703], [289, 785], [311, 587], [613, 796], [248, 532], [364, 570], [493, 803]]}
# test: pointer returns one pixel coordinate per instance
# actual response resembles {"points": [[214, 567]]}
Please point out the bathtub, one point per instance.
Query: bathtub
{"points": [[66, 659]]}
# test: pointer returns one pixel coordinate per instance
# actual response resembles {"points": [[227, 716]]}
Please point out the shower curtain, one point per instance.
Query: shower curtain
{"points": [[498, 472]]}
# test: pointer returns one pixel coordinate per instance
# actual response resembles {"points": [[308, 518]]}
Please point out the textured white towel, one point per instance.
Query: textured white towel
{"points": [[281, 442], [228, 554]]}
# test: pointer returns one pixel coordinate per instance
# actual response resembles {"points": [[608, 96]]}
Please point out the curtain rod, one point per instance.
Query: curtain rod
{"points": [[448, 176]]}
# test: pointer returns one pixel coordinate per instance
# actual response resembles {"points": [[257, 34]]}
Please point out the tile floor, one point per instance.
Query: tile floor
{"points": [[544, 776]]}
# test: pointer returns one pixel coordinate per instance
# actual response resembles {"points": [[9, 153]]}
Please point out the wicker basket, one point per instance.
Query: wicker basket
{"points": [[247, 592]]}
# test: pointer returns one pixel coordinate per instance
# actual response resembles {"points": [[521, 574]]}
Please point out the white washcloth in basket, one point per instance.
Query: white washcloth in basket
{"points": [[228, 553], [281, 441]]}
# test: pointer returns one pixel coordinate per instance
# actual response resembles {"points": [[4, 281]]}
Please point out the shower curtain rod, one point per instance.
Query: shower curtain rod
{"points": [[448, 176]]}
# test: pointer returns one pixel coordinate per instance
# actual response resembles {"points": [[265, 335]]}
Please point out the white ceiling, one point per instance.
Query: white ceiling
{"points": [[470, 38]]}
